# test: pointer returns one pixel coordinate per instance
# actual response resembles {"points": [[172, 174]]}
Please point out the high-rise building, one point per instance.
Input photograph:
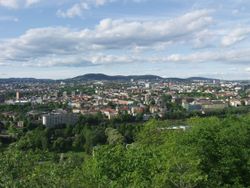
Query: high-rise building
{"points": [[17, 96]]}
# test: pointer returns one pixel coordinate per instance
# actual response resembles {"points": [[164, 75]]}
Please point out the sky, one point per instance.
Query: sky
{"points": [[170, 38]]}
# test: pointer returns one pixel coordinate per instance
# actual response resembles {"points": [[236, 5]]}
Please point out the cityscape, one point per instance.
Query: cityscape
{"points": [[141, 97], [124, 93]]}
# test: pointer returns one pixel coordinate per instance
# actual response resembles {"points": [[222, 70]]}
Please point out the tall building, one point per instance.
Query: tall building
{"points": [[17, 96]]}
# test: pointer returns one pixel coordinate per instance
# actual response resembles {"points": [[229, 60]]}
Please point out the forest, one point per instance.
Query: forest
{"points": [[209, 152]]}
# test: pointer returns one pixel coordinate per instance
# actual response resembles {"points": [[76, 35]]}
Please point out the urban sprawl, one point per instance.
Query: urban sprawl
{"points": [[56, 103]]}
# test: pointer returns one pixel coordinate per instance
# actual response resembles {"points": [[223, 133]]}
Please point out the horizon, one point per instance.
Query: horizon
{"points": [[116, 75], [169, 38]]}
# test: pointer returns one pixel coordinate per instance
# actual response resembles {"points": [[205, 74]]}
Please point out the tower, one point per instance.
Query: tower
{"points": [[17, 96]]}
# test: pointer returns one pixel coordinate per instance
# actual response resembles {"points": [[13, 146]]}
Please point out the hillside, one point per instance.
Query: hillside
{"points": [[99, 77]]}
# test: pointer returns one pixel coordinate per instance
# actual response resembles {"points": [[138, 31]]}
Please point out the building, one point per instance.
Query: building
{"points": [[247, 102], [147, 85], [65, 95], [54, 95], [109, 113], [73, 94], [214, 105], [75, 105], [147, 99], [191, 107], [20, 124], [56, 119], [235, 102], [153, 109], [17, 96], [137, 110]]}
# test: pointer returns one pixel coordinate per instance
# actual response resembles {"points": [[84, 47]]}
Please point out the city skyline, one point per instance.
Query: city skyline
{"points": [[169, 38]]}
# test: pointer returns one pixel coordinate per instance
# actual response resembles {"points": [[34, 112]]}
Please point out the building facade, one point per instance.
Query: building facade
{"points": [[57, 119]]}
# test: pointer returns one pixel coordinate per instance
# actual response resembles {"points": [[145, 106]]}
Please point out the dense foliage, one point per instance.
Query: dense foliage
{"points": [[210, 152]]}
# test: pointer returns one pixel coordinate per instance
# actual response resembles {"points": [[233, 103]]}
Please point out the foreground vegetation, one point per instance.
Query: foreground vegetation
{"points": [[211, 152]]}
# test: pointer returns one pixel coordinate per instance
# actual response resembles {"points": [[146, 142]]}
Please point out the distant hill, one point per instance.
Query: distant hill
{"points": [[201, 78], [104, 77], [176, 79], [25, 80], [100, 77]]}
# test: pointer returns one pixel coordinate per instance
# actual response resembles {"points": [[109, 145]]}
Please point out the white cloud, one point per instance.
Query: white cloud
{"points": [[239, 56], [59, 46], [116, 33], [31, 2], [77, 9], [235, 36], [247, 69], [14, 4], [9, 3]]}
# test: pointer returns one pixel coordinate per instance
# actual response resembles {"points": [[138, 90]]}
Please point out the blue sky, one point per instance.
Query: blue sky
{"points": [[170, 38]]}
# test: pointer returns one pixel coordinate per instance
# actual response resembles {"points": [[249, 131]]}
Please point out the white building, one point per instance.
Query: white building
{"points": [[55, 119], [147, 85], [235, 102], [17, 96]]}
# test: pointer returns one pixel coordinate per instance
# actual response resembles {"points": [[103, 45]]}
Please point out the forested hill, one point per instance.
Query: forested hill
{"points": [[103, 77], [25, 80], [115, 78]]}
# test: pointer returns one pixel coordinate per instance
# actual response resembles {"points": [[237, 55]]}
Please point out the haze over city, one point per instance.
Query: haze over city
{"points": [[170, 38]]}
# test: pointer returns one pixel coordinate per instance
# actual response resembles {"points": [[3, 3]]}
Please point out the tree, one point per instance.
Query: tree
{"points": [[156, 159], [166, 99], [113, 136], [222, 145], [79, 141], [38, 169], [93, 137], [59, 144]]}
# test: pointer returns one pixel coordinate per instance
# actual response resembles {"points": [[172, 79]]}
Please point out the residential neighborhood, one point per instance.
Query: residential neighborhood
{"points": [[160, 98]]}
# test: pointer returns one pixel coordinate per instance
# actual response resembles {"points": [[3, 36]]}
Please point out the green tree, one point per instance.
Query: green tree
{"points": [[113, 136]]}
